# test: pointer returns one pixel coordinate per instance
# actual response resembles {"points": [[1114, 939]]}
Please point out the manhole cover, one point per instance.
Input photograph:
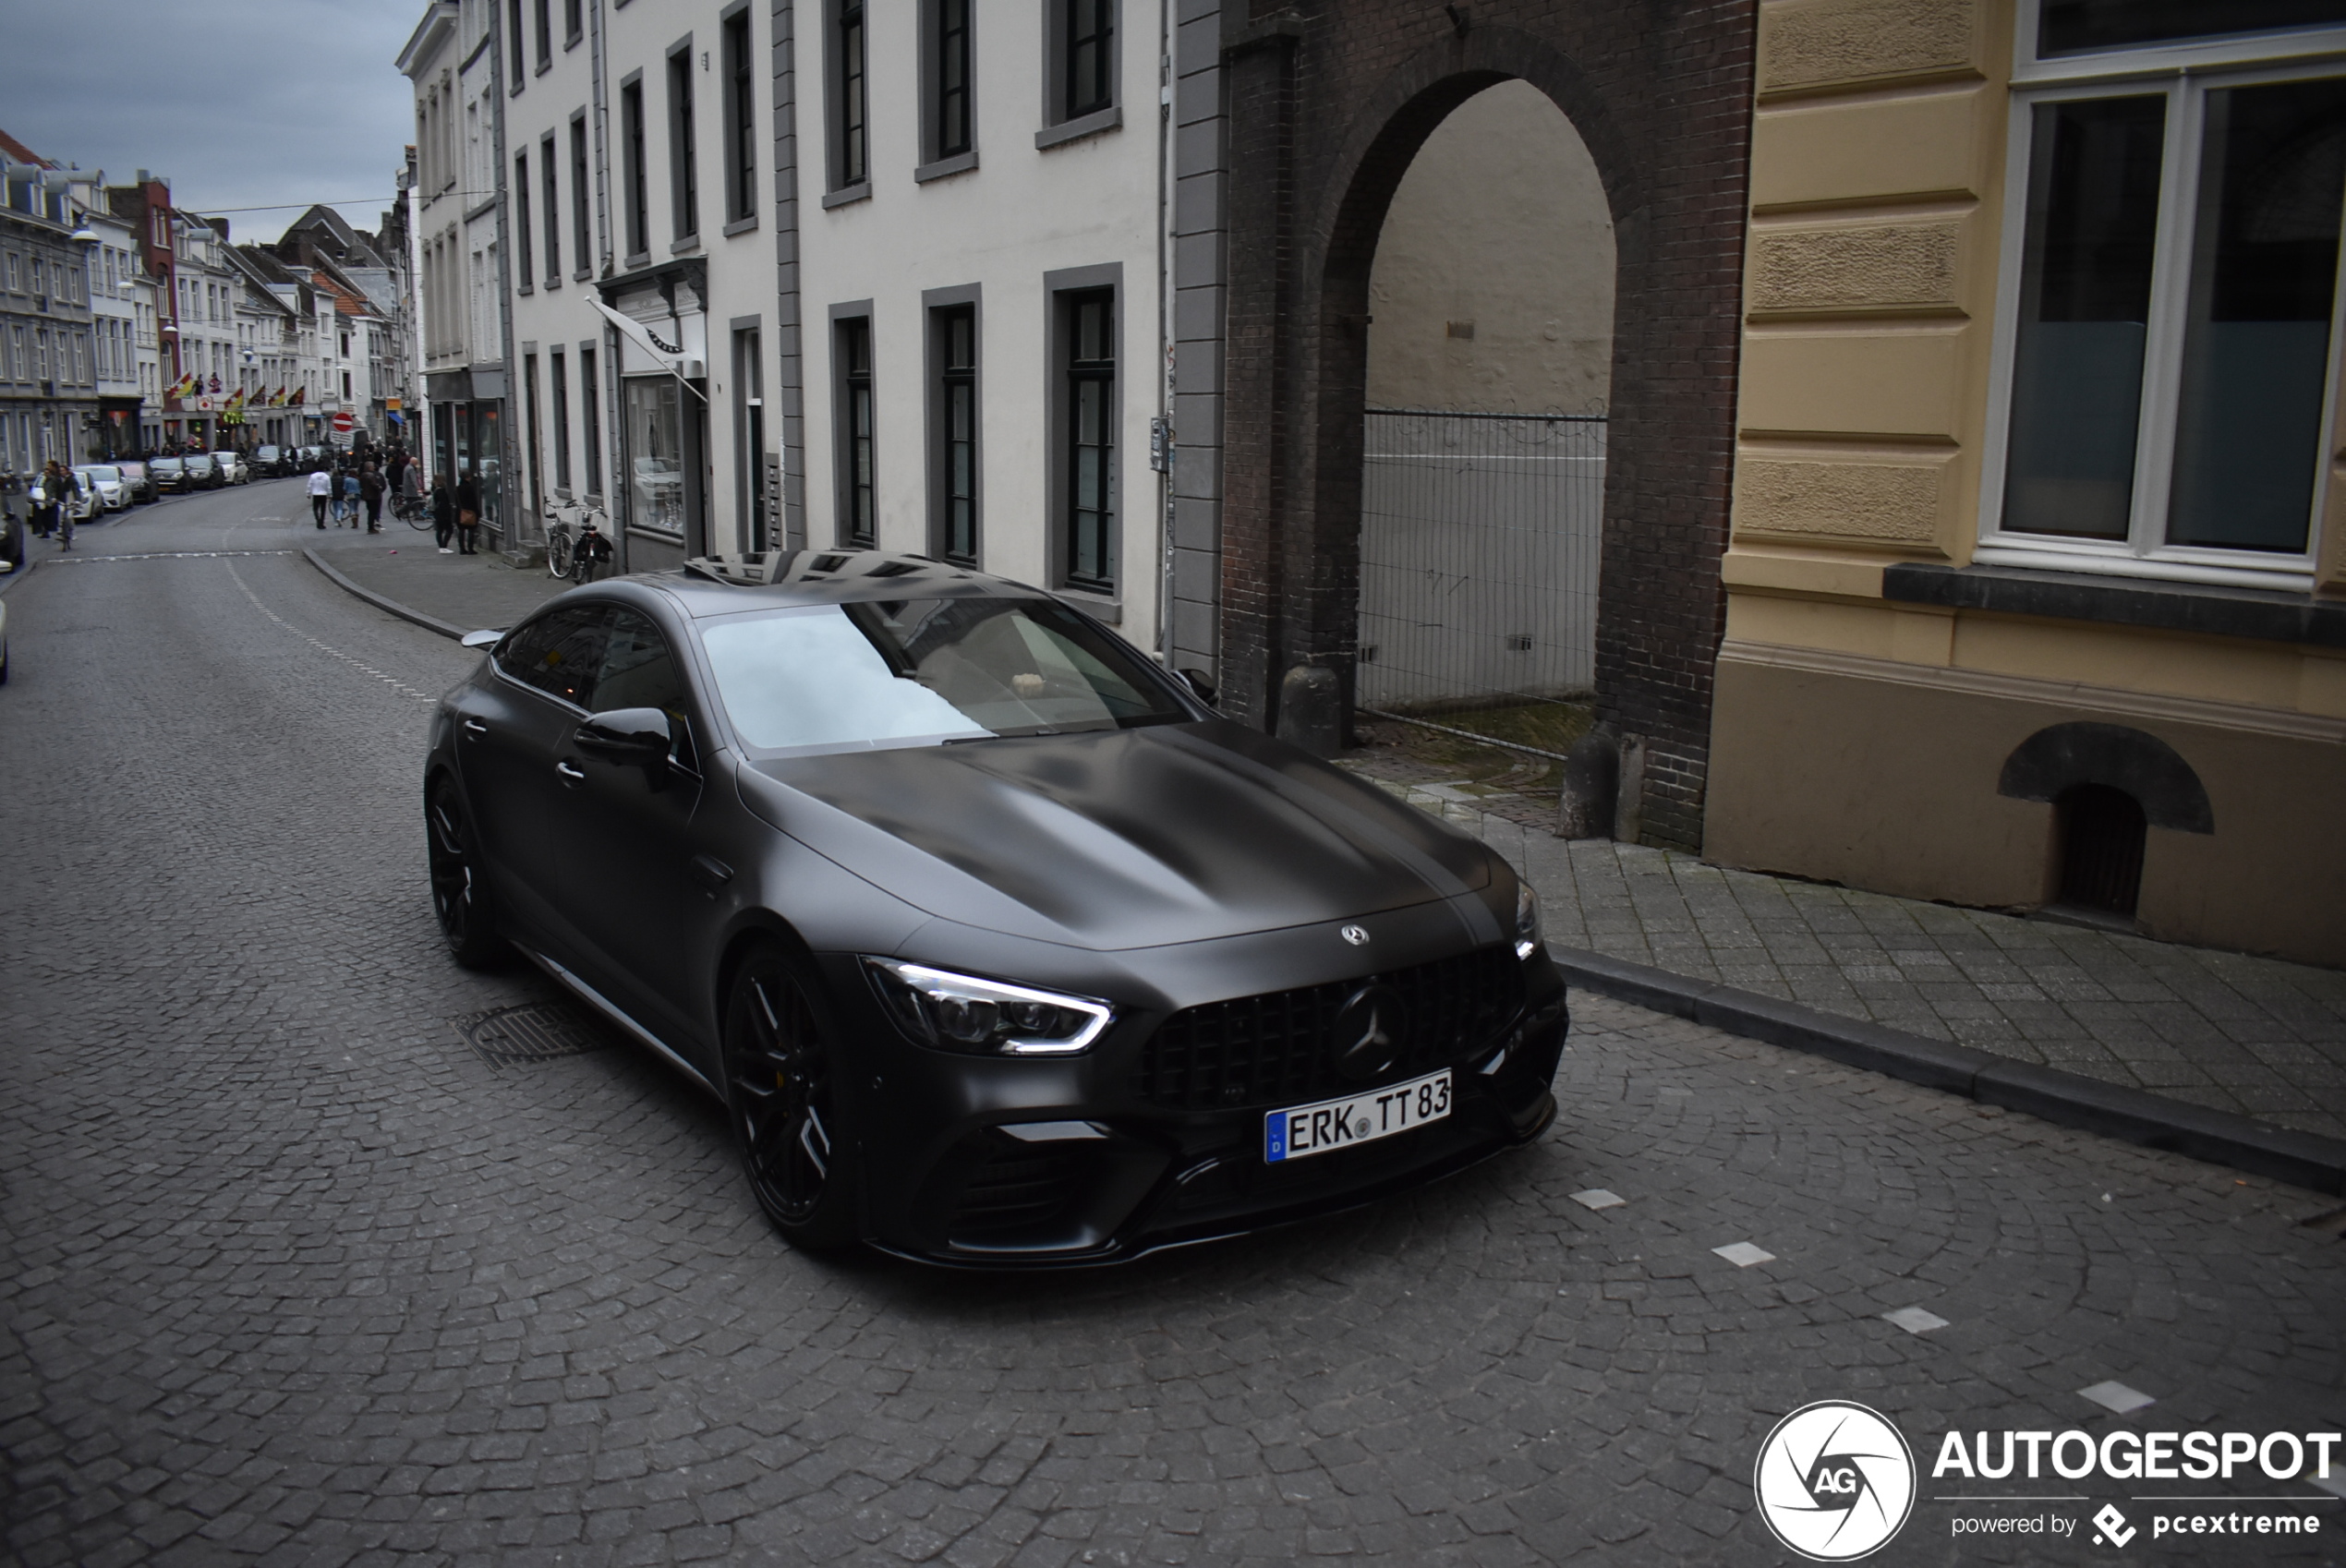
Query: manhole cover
{"points": [[536, 1032]]}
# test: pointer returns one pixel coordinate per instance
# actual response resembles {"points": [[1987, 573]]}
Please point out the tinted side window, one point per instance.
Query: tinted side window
{"points": [[560, 653], [639, 670]]}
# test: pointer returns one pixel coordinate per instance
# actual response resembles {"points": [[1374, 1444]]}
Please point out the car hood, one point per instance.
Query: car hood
{"points": [[1116, 840]]}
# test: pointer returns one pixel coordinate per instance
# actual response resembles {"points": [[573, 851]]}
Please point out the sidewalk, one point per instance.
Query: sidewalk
{"points": [[468, 592], [2255, 1037]]}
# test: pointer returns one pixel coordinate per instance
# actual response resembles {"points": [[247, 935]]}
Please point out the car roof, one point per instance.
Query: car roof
{"points": [[724, 584]]}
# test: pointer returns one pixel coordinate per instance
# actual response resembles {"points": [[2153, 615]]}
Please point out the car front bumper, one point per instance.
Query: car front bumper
{"points": [[988, 1162]]}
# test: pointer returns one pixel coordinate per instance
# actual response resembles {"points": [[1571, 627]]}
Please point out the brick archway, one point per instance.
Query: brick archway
{"points": [[1325, 113]]}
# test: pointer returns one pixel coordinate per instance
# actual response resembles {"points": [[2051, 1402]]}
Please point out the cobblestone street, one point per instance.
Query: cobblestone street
{"points": [[295, 1271]]}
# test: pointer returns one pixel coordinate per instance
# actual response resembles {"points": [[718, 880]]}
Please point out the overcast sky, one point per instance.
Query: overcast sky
{"points": [[238, 102]]}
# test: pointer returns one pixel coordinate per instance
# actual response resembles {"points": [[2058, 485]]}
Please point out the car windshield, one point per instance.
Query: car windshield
{"points": [[909, 671], [266, 453], [104, 473], [169, 464]]}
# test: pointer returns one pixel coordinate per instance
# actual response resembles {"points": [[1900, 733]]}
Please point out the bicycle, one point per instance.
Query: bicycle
{"points": [[561, 539], [414, 510]]}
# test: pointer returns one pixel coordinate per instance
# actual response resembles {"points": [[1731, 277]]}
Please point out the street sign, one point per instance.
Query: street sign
{"points": [[345, 423]]}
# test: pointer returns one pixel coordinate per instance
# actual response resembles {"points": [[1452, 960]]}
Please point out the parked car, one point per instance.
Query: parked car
{"points": [[234, 470], [997, 944], [310, 459], [203, 474], [269, 462], [85, 502], [170, 476], [4, 641], [106, 480], [137, 480]]}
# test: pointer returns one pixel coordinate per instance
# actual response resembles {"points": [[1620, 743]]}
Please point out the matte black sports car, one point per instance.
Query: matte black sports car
{"points": [[998, 945]]}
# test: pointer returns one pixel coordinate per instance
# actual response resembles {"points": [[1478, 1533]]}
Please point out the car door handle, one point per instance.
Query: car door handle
{"points": [[570, 774], [474, 727], [712, 871]]}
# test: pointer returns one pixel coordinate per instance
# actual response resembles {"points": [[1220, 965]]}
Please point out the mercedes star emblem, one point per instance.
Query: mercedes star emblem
{"points": [[1357, 936]]}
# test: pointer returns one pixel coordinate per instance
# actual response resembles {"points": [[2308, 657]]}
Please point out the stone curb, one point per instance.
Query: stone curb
{"points": [[2222, 1137], [389, 606]]}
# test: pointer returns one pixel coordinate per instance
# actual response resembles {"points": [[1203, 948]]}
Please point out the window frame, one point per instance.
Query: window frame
{"points": [[590, 427], [545, 19], [683, 147], [2184, 74], [940, 156], [581, 212], [1063, 119], [633, 175], [558, 392], [848, 322], [527, 272], [847, 161], [1067, 290], [551, 179], [737, 44], [941, 308]]}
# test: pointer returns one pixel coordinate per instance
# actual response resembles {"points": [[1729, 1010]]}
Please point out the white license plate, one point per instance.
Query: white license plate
{"points": [[1363, 1118]]}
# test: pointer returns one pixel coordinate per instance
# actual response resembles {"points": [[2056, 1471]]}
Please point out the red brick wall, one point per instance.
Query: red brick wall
{"points": [[1328, 101]]}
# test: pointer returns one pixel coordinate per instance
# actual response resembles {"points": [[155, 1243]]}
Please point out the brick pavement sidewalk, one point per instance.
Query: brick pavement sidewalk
{"points": [[472, 592], [2255, 1036]]}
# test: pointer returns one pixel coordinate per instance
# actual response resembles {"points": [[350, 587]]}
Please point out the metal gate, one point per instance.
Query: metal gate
{"points": [[1479, 547]]}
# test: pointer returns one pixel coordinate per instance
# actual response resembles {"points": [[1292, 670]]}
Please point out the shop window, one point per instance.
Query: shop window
{"points": [[655, 455]]}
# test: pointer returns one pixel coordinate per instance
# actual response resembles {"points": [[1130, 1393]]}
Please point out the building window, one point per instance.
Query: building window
{"points": [[1088, 415], [560, 370], [590, 422], [1087, 57], [574, 21], [655, 455], [514, 44], [954, 426], [950, 125], [850, 150], [858, 513], [529, 401], [520, 198], [2170, 337], [582, 218], [545, 34], [741, 123], [631, 120], [553, 213], [751, 499], [684, 174]]}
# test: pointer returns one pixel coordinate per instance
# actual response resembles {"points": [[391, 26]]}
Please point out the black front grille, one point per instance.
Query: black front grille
{"points": [[1274, 1049]]}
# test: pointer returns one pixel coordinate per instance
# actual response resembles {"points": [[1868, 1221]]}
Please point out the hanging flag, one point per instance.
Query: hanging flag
{"points": [[299, 393], [237, 398]]}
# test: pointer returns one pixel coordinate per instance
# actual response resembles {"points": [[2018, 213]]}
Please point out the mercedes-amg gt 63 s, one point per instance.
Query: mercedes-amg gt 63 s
{"points": [[998, 945]]}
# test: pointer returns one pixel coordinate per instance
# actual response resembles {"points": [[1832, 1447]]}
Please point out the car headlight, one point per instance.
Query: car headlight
{"points": [[958, 1012], [1526, 920]]}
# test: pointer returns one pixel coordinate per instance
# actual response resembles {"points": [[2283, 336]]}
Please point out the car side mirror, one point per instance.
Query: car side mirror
{"points": [[1207, 692], [480, 639], [627, 735]]}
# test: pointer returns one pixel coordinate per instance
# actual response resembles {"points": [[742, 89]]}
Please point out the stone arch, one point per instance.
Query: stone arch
{"points": [[2061, 756], [1326, 116]]}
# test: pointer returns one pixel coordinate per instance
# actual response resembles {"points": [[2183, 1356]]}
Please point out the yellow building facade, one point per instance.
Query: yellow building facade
{"points": [[2036, 581]]}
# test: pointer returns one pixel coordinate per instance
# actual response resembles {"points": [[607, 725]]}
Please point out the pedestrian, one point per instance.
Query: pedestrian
{"points": [[468, 514], [59, 483], [370, 487], [44, 516], [350, 496], [443, 514], [411, 484], [321, 489]]}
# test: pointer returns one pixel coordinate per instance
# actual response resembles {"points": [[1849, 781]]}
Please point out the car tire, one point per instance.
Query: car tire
{"points": [[460, 896], [782, 1081]]}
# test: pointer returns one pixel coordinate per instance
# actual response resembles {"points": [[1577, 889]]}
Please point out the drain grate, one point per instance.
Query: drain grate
{"points": [[538, 1031]]}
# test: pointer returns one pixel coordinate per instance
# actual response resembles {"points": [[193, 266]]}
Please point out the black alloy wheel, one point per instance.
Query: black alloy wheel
{"points": [[459, 892], [782, 1081]]}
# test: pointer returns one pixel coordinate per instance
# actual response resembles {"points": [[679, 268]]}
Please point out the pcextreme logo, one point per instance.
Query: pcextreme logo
{"points": [[1835, 1481]]}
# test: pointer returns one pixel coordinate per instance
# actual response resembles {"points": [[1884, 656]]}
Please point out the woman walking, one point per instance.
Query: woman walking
{"points": [[371, 490], [443, 514], [468, 514]]}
